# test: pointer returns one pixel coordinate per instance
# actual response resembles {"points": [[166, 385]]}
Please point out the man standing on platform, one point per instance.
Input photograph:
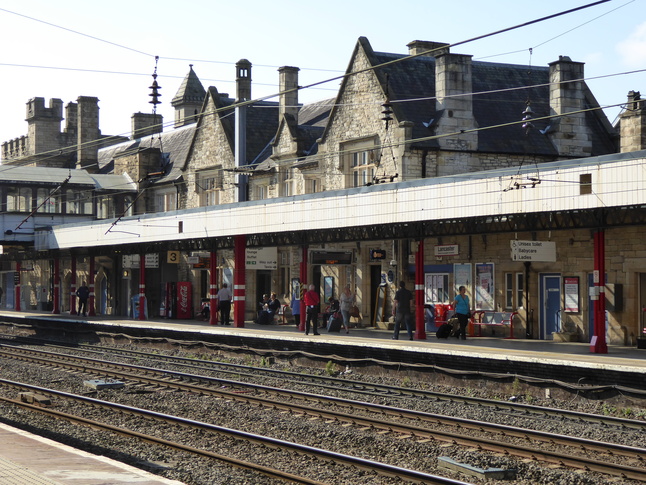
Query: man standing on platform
{"points": [[401, 310], [224, 304], [83, 293], [312, 300]]}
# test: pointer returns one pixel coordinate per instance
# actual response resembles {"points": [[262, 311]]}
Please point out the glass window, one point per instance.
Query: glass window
{"points": [[509, 291], [210, 186], [520, 288], [286, 183]]}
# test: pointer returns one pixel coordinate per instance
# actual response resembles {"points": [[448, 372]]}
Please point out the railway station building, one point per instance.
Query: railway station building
{"points": [[427, 167]]}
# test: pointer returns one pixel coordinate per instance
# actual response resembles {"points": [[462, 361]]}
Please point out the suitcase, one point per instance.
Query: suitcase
{"points": [[334, 323], [444, 331]]}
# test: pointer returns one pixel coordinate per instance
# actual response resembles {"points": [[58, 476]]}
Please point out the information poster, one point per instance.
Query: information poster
{"points": [[571, 291], [485, 288]]}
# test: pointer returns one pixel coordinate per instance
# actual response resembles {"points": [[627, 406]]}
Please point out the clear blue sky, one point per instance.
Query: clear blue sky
{"points": [[60, 59]]}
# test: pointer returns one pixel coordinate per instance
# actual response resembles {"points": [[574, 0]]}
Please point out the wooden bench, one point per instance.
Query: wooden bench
{"points": [[483, 317]]}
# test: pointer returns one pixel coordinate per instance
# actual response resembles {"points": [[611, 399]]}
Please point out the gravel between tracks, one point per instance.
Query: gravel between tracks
{"points": [[408, 453]]}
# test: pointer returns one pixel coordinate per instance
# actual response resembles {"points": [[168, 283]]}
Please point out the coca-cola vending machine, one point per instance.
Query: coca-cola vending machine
{"points": [[184, 299]]}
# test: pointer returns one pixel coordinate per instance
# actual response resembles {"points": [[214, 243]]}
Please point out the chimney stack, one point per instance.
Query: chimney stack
{"points": [[87, 149], [288, 87], [243, 93], [633, 124], [144, 124], [418, 46]]}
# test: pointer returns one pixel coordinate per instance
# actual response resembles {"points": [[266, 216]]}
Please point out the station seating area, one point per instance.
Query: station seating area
{"points": [[482, 317]]}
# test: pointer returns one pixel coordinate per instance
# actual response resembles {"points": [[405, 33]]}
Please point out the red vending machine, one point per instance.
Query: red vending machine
{"points": [[184, 300]]}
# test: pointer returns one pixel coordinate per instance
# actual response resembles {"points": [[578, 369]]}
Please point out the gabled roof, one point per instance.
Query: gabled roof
{"points": [[411, 89]]}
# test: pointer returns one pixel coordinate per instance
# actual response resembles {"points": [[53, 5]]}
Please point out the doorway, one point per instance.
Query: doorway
{"points": [[550, 304]]}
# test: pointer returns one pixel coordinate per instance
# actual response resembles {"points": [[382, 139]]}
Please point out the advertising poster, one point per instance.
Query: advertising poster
{"points": [[571, 291], [484, 286]]}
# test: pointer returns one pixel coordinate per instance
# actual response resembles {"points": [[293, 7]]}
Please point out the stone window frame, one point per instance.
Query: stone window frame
{"points": [[210, 184], [359, 161]]}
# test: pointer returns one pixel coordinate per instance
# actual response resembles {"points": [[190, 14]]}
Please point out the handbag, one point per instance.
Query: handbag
{"points": [[469, 315], [354, 312]]}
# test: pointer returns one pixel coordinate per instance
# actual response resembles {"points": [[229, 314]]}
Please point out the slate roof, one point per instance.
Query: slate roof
{"points": [[174, 145], [56, 176], [412, 79]]}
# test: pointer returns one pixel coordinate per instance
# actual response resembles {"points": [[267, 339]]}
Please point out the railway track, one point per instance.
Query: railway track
{"points": [[355, 386], [338, 458], [407, 423]]}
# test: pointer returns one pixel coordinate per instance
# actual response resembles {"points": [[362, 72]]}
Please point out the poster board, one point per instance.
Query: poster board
{"points": [[380, 304]]}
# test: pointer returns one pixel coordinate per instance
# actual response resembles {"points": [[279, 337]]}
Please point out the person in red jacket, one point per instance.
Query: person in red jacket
{"points": [[312, 300]]}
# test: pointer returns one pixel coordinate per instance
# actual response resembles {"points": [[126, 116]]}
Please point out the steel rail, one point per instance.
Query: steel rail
{"points": [[416, 431], [160, 441], [365, 388], [369, 465]]}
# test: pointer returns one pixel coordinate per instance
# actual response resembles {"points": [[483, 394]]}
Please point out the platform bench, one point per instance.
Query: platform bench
{"points": [[482, 317], [280, 317]]}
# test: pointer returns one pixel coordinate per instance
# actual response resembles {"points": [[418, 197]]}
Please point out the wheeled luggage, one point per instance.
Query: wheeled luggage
{"points": [[444, 331], [334, 323]]}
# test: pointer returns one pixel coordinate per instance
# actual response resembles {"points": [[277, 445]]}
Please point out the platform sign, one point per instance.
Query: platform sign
{"points": [[262, 258], [544, 251]]}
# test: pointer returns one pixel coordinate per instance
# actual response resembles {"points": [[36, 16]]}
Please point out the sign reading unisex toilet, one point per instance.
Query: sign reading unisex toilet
{"points": [[544, 251]]}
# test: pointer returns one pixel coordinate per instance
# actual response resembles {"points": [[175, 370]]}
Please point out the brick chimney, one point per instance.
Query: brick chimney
{"points": [[633, 124], [571, 136], [243, 93]]}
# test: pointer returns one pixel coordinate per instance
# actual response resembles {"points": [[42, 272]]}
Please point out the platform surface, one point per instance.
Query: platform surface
{"points": [[27, 459]]}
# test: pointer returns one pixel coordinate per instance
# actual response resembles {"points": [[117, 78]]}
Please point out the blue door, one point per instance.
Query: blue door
{"points": [[550, 295]]}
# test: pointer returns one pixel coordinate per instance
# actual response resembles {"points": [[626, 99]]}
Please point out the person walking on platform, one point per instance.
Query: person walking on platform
{"points": [[347, 299], [401, 310], [83, 293], [462, 312], [312, 300], [224, 304]]}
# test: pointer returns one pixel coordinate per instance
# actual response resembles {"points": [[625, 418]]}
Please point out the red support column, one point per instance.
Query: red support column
{"points": [[598, 344], [213, 282], [73, 287], [91, 311], [420, 329], [142, 287], [56, 307], [17, 279], [303, 268], [239, 280]]}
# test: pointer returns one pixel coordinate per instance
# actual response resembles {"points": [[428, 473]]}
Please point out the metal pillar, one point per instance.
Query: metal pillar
{"points": [[303, 268], [73, 287], [598, 344], [240, 248], [91, 310], [213, 294], [16, 281], [142, 287], [420, 328], [56, 306]]}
